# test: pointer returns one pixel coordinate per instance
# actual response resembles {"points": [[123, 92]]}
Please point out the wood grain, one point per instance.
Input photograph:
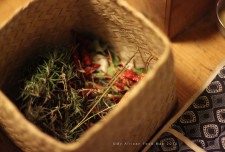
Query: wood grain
{"points": [[172, 16], [183, 13], [197, 52]]}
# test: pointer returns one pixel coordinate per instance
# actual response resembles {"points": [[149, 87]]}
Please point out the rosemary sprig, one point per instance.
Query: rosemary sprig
{"points": [[66, 94], [48, 96]]}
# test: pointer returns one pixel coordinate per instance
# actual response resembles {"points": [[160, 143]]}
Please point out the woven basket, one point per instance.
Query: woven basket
{"points": [[37, 23]]}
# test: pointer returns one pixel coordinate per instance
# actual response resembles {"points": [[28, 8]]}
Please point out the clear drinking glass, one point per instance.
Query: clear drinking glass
{"points": [[220, 12]]}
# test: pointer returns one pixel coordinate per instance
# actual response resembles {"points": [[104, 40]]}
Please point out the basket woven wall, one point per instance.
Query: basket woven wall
{"points": [[42, 22]]}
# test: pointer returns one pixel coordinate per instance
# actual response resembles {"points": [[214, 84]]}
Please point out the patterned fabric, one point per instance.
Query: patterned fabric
{"points": [[168, 142], [204, 121]]}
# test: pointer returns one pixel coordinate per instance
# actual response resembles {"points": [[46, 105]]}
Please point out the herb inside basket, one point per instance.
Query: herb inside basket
{"points": [[74, 87]]}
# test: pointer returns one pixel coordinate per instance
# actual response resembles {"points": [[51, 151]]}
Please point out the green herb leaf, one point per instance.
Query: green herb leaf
{"points": [[100, 73], [115, 59], [110, 70], [139, 71], [147, 69]]}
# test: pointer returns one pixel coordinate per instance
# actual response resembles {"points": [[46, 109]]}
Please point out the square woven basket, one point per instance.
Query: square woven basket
{"points": [[37, 23]]}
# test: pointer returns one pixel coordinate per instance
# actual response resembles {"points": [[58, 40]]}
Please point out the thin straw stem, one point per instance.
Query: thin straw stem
{"points": [[104, 93]]}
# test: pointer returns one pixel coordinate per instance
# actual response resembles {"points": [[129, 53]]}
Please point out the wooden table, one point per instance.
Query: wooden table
{"points": [[197, 51]]}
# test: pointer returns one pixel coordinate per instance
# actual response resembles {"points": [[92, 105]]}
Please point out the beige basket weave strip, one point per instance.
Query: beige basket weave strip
{"points": [[46, 21]]}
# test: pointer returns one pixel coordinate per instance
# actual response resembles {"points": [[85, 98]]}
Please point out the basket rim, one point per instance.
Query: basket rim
{"points": [[76, 145]]}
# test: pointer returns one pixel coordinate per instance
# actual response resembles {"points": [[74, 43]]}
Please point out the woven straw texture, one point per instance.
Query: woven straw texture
{"points": [[49, 21]]}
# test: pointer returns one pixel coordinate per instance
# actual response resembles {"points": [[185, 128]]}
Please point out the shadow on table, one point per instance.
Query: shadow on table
{"points": [[200, 30]]}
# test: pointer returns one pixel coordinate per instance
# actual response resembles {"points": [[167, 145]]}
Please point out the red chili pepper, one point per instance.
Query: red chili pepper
{"points": [[131, 83], [120, 86], [88, 70], [124, 81], [122, 76], [96, 109], [95, 65], [86, 58], [115, 98], [108, 76], [131, 75], [136, 78], [76, 59]]}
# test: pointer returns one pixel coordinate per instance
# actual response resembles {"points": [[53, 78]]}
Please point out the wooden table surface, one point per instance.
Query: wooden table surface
{"points": [[197, 51]]}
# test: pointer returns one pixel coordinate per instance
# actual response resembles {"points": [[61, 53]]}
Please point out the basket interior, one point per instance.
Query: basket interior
{"points": [[49, 22]]}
